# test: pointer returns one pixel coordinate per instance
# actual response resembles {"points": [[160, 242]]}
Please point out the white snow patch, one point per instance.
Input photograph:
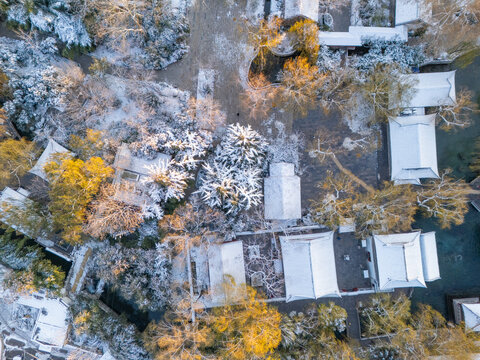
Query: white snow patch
{"points": [[255, 10], [231, 52], [276, 8], [78, 258]]}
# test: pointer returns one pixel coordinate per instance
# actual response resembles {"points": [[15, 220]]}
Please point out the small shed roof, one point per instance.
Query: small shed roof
{"points": [[432, 89], [309, 266], [413, 148], [385, 33], [52, 148], [428, 244], [51, 324], [471, 314], [399, 260], [225, 260], [306, 8], [282, 193], [125, 160]]}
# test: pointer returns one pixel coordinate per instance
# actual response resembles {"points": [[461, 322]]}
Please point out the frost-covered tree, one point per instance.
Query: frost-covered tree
{"points": [[230, 180], [142, 276], [387, 52], [312, 333], [166, 180], [158, 31], [57, 17], [31, 272], [89, 319], [38, 82], [242, 147]]}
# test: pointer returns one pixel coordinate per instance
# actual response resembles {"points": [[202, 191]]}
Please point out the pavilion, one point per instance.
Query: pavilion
{"points": [[309, 266], [413, 148], [402, 260]]}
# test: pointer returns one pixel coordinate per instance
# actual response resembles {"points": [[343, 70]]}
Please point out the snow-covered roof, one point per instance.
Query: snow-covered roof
{"points": [[52, 148], [356, 34], [282, 193], [385, 33], [428, 244], [125, 160], [225, 261], [51, 324], [471, 314], [432, 89], [399, 260], [307, 8], [309, 266], [330, 38], [407, 11], [413, 149]]}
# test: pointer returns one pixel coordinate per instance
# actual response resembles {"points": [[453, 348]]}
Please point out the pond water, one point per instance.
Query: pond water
{"points": [[458, 247]]}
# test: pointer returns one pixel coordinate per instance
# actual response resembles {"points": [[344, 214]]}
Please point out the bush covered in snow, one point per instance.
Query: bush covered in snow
{"points": [[93, 326], [231, 179], [389, 52], [328, 59], [51, 16], [133, 32], [36, 82], [142, 276]]}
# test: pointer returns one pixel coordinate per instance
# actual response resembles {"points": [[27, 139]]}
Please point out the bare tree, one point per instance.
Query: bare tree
{"points": [[261, 264], [445, 199], [109, 215], [325, 146], [299, 85], [387, 90], [336, 200], [208, 114], [457, 115], [264, 37], [258, 97], [119, 19], [453, 27]]}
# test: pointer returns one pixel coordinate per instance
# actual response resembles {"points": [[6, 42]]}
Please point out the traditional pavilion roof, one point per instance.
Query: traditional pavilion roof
{"points": [[431, 89], [413, 148], [309, 266], [405, 260], [52, 148]]}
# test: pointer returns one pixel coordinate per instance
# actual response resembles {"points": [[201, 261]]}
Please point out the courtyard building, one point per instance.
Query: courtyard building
{"points": [[309, 266], [402, 260], [282, 194], [413, 149]]}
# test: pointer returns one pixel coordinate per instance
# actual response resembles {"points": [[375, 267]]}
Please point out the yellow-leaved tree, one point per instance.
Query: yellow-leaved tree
{"points": [[74, 183], [16, 158], [246, 327]]}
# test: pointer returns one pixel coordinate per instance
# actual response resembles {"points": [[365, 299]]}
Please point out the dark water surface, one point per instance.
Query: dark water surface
{"points": [[458, 247]]}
